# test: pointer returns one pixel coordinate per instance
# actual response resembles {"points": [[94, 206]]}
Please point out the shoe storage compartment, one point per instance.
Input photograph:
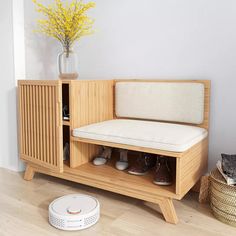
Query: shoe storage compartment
{"points": [[109, 178], [187, 168], [132, 156], [65, 103], [66, 144], [66, 121]]}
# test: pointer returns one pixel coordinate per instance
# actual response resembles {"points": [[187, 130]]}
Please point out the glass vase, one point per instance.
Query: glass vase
{"points": [[67, 64]]}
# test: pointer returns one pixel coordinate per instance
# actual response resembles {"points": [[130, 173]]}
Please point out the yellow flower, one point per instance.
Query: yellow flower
{"points": [[66, 23]]}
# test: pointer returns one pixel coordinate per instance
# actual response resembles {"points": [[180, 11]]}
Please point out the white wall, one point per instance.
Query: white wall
{"points": [[19, 39], [8, 127], [185, 39]]}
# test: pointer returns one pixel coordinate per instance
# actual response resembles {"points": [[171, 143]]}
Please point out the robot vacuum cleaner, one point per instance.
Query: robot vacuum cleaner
{"points": [[74, 212]]}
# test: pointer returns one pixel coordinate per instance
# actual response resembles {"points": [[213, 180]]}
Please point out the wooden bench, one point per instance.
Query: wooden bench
{"points": [[116, 114]]}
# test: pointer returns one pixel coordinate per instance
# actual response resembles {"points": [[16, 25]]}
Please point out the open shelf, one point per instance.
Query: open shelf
{"points": [[109, 178], [66, 140], [65, 100], [66, 122]]}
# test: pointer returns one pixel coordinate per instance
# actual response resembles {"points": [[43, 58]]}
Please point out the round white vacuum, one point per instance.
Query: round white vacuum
{"points": [[74, 212]]}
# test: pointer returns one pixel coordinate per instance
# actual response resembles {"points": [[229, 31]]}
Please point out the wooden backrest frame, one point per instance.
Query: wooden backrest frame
{"points": [[207, 86]]}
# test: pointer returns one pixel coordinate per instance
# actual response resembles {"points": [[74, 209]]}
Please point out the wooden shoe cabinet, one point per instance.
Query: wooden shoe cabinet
{"points": [[43, 132]]}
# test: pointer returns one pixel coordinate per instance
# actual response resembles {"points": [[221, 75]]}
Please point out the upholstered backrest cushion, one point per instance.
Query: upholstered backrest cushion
{"points": [[164, 101]]}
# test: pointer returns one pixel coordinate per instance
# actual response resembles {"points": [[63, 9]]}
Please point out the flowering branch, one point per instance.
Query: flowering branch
{"points": [[67, 23]]}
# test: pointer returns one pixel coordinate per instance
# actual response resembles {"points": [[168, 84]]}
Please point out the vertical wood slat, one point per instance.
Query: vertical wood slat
{"points": [[37, 121], [25, 118], [50, 124], [28, 121], [40, 123], [22, 117], [53, 124], [34, 121], [31, 121], [43, 122], [56, 124], [47, 124], [58, 137], [40, 126]]}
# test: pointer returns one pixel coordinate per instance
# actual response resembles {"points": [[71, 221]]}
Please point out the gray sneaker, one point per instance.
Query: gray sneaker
{"points": [[122, 164], [103, 157]]}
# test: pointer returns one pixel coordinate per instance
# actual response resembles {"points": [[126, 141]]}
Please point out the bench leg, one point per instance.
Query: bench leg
{"points": [[29, 173], [168, 210]]}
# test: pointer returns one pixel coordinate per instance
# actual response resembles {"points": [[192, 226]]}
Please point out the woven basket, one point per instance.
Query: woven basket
{"points": [[222, 199]]}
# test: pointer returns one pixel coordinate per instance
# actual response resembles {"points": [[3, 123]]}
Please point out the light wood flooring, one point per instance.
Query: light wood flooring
{"points": [[23, 211]]}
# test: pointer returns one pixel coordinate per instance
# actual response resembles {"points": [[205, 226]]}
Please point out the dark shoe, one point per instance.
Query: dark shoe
{"points": [[65, 112], [163, 173], [143, 164]]}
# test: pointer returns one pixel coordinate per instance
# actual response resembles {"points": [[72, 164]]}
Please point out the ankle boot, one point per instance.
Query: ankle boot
{"points": [[163, 173], [143, 164]]}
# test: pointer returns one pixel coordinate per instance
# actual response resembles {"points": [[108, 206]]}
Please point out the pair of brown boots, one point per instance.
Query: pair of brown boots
{"points": [[148, 161]]}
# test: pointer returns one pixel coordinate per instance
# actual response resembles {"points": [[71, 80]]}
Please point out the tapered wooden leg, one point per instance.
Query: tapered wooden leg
{"points": [[29, 173], [168, 210]]}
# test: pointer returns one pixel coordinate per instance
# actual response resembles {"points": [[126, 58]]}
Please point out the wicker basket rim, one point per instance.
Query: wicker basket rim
{"points": [[229, 192]]}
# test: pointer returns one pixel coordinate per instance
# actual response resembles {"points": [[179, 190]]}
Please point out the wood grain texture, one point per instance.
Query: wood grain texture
{"points": [[24, 211], [90, 102], [129, 147], [108, 178], [66, 122], [204, 189], [168, 210], [40, 126], [191, 167], [29, 173]]}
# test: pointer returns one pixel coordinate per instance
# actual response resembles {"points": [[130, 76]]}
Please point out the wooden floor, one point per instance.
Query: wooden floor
{"points": [[23, 211]]}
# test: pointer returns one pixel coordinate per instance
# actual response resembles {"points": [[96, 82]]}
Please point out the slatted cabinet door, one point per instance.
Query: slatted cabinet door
{"points": [[40, 123]]}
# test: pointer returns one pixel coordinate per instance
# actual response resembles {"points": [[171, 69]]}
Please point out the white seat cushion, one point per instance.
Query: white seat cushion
{"points": [[149, 134]]}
